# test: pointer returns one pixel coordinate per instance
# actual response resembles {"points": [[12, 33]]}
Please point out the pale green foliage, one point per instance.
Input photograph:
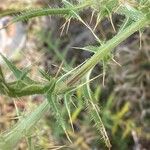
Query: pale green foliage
{"points": [[22, 128], [94, 112], [63, 87]]}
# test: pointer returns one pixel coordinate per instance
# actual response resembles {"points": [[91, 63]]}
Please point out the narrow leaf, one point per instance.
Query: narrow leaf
{"points": [[17, 72], [10, 139]]}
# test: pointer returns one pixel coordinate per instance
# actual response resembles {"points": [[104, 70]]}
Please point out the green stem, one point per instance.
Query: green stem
{"points": [[40, 110], [10, 12], [37, 12], [105, 49]]}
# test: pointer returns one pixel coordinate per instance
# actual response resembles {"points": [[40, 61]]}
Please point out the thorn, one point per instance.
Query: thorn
{"points": [[73, 104], [62, 27], [95, 26], [104, 79], [93, 12], [110, 17], [68, 25], [117, 8], [71, 123], [97, 22], [104, 74], [116, 62], [67, 136], [86, 82], [140, 36], [59, 69]]}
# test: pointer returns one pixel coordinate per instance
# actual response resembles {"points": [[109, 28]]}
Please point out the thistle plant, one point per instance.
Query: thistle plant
{"points": [[63, 87]]}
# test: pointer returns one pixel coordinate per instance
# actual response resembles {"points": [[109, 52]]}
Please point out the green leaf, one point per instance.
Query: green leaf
{"points": [[94, 111], [22, 128], [45, 74], [67, 105], [17, 72], [130, 12], [93, 49], [56, 109]]}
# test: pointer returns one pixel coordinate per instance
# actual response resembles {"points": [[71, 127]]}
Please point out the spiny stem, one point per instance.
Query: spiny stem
{"points": [[37, 12], [10, 12], [105, 49]]}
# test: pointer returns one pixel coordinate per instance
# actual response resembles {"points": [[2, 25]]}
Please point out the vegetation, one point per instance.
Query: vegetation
{"points": [[69, 92]]}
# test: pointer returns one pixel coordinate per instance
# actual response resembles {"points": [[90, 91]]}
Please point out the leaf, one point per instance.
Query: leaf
{"points": [[127, 22], [23, 127], [94, 111], [45, 74], [93, 49], [56, 109], [66, 100], [130, 12], [17, 72]]}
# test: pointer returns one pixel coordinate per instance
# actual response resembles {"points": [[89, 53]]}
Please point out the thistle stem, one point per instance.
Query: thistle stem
{"points": [[105, 49]]}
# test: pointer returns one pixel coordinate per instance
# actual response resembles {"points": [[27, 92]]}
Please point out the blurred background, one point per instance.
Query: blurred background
{"points": [[124, 99]]}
